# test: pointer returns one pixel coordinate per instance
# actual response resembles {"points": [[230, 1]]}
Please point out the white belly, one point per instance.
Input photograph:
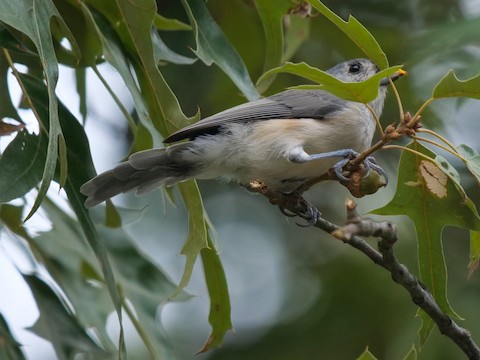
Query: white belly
{"points": [[260, 150]]}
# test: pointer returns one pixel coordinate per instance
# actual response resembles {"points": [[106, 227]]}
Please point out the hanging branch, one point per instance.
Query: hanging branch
{"points": [[386, 232]]}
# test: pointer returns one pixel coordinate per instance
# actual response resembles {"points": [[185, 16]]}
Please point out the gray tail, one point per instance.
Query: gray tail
{"points": [[143, 172]]}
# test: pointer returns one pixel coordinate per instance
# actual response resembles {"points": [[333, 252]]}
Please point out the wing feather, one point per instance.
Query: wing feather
{"points": [[290, 104]]}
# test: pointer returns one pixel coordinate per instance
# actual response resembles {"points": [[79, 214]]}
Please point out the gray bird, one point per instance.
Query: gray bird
{"points": [[282, 140]]}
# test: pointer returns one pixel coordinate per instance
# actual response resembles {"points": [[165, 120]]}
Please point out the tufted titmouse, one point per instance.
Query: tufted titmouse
{"points": [[282, 140]]}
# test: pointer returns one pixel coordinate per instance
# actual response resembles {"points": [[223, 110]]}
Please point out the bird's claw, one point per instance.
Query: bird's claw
{"points": [[298, 206], [369, 163]]}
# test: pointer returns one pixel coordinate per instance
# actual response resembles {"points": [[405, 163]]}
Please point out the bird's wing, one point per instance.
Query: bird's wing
{"points": [[290, 104]]}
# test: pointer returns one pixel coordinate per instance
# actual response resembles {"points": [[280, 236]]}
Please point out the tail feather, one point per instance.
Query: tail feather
{"points": [[143, 172]]}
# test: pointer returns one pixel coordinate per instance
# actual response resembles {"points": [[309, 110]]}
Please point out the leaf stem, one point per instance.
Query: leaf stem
{"points": [[138, 327], [441, 147], [377, 120], [438, 136], [400, 147], [24, 90], [399, 100], [416, 117]]}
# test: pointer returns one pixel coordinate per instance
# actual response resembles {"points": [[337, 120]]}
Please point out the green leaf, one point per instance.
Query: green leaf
{"points": [[474, 252], [135, 31], [297, 30], [432, 200], [73, 266], [197, 239], [80, 170], [164, 53], [427, 326], [448, 169], [271, 14], [219, 316], [451, 86], [33, 19], [81, 85], [364, 91], [9, 347], [58, 325], [116, 57], [213, 47], [163, 23], [412, 354], [366, 355], [356, 32], [472, 158], [85, 35], [21, 165], [6, 107], [145, 286]]}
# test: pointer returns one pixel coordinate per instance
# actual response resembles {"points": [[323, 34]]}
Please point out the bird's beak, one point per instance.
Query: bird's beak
{"points": [[397, 74]]}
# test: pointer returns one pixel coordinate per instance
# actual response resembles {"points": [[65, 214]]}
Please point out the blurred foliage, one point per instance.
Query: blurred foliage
{"points": [[294, 293]]}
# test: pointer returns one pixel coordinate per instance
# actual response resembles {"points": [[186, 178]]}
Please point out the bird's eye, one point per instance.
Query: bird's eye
{"points": [[354, 68]]}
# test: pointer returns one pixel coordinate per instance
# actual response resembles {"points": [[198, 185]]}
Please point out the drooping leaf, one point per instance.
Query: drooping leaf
{"points": [[135, 31], [356, 32], [451, 86], [162, 102], [85, 35], [116, 57], [9, 347], [145, 286], [473, 160], [364, 91], [58, 325], [164, 53], [21, 165], [432, 200], [367, 355], [219, 317], [72, 264], [197, 239], [271, 14], [213, 47], [80, 171], [33, 19], [163, 23]]}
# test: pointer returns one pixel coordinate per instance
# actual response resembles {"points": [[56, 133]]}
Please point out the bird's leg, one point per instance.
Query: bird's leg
{"points": [[300, 156]]}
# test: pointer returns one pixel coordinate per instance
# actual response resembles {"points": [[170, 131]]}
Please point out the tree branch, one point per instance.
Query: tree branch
{"points": [[385, 257]]}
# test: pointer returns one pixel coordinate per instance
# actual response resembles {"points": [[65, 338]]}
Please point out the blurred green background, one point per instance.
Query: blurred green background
{"points": [[298, 293]]}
